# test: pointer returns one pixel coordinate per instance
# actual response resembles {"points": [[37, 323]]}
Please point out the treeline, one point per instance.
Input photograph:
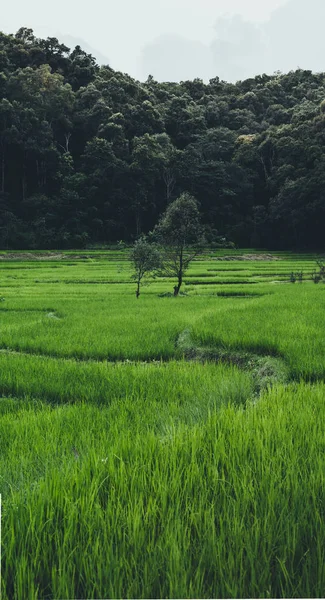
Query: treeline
{"points": [[89, 155]]}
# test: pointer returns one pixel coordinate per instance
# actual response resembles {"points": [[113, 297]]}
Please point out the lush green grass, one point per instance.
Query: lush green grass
{"points": [[108, 324], [229, 507], [287, 322], [155, 384], [128, 471]]}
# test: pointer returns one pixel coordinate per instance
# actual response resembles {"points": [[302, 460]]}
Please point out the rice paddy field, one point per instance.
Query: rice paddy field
{"points": [[161, 447]]}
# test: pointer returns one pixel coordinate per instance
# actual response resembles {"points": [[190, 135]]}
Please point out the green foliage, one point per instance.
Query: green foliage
{"points": [[146, 259], [180, 234], [180, 226], [321, 267], [161, 513], [107, 153], [319, 275], [299, 276]]}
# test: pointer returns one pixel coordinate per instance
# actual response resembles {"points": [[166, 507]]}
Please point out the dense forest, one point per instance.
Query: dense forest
{"points": [[89, 156]]}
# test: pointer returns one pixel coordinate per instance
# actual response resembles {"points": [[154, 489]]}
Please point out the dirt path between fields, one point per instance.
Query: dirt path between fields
{"points": [[248, 257]]}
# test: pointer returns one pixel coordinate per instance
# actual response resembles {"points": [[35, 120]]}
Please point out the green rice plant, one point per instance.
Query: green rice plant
{"points": [[127, 471], [228, 507], [66, 381]]}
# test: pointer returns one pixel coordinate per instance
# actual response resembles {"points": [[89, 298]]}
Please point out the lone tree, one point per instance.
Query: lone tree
{"points": [[145, 258], [180, 235]]}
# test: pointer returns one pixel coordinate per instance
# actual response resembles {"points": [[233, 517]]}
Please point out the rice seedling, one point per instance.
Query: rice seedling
{"points": [[165, 447]]}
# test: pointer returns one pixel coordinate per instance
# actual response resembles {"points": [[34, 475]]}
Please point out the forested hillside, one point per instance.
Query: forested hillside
{"points": [[89, 155]]}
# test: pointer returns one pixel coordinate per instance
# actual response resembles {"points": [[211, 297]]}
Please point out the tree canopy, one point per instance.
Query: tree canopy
{"points": [[145, 260], [89, 155], [180, 234]]}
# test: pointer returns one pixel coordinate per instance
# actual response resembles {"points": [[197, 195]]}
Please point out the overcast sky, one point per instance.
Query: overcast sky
{"points": [[182, 39]]}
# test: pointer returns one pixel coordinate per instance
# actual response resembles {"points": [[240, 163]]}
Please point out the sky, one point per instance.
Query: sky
{"points": [[183, 39]]}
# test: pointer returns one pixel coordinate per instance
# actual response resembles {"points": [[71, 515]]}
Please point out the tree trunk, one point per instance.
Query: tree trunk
{"points": [[44, 173], [3, 166], [179, 284], [137, 293], [38, 174], [170, 181], [138, 224], [265, 169], [23, 180], [67, 142], [180, 273]]}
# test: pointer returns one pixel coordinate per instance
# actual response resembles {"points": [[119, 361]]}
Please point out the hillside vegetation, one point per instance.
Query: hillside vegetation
{"points": [[89, 155]]}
